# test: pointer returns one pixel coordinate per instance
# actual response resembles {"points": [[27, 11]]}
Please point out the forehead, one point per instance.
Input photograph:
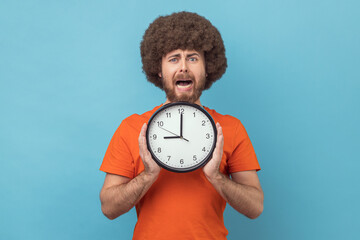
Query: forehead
{"points": [[183, 52]]}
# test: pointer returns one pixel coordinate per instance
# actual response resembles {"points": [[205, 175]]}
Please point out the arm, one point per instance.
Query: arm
{"points": [[119, 194], [243, 192]]}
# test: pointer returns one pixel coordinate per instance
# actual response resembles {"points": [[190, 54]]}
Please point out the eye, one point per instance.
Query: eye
{"points": [[193, 59], [173, 60]]}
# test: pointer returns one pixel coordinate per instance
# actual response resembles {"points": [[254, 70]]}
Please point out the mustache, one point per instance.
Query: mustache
{"points": [[183, 76]]}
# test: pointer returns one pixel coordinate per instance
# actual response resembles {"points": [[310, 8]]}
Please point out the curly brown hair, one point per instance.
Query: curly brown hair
{"points": [[182, 30]]}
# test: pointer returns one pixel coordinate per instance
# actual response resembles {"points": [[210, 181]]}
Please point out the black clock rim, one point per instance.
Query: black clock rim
{"points": [[195, 167]]}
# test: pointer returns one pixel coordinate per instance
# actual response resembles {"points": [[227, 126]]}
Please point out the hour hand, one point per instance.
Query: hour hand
{"points": [[167, 137]]}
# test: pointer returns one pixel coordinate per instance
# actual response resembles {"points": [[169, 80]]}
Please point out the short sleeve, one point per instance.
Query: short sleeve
{"points": [[243, 157], [118, 159]]}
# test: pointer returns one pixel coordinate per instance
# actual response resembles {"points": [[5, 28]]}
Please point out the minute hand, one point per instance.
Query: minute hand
{"points": [[181, 125]]}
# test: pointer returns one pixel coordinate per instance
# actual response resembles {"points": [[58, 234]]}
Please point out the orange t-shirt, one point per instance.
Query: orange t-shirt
{"points": [[179, 205]]}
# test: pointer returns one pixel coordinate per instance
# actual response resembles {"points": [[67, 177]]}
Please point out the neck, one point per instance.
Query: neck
{"points": [[196, 102]]}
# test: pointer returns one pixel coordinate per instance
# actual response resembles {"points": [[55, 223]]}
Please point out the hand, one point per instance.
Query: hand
{"points": [[212, 168], [151, 167]]}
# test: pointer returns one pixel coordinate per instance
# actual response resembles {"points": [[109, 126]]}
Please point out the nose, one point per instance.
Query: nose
{"points": [[183, 66]]}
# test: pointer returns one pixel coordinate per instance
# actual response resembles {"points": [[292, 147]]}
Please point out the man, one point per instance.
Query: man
{"points": [[183, 54]]}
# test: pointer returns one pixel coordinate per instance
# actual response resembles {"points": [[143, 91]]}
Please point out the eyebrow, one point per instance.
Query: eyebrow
{"points": [[192, 54], [189, 55]]}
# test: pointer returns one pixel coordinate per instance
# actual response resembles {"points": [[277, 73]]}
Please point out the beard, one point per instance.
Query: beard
{"points": [[192, 97]]}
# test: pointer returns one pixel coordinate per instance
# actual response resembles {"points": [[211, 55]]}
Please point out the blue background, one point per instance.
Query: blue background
{"points": [[70, 71]]}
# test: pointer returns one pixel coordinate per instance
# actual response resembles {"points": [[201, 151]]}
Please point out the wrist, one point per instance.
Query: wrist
{"points": [[150, 177], [215, 178]]}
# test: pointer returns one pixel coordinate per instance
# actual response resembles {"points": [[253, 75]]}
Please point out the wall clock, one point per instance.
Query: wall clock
{"points": [[181, 136]]}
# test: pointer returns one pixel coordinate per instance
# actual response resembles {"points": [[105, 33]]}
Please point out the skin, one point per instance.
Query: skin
{"points": [[243, 191], [183, 65]]}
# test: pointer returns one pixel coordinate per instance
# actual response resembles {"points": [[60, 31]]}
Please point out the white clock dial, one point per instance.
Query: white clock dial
{"points": [[181, 136]]}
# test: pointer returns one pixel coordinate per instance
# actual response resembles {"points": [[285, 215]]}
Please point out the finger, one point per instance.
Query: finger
{"points": [[141, 133], [143, 130], [142, 139], [220, 139]]}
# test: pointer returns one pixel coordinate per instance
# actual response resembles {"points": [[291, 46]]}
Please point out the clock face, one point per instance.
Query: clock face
{"points": [[181, 137]]}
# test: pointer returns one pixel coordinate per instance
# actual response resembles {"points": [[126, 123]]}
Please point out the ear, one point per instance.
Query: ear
{"points": [[160, 75]]}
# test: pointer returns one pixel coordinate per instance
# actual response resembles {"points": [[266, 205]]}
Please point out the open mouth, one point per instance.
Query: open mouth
{"points": [[183, 83]]}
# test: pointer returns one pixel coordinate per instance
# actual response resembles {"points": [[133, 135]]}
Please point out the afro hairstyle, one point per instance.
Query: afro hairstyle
{"points": [[186, 31]]}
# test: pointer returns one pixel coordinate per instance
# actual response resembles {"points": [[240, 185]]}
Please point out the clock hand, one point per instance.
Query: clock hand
{"points": [[181, 127], [177, 136], [169, 131], [184, 139], [171, 137], [181, 124]]}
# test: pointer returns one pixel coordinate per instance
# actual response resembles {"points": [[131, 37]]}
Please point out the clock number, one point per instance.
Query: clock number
{"points": [[154, 136], [168, 115], [160, 124], [181, 161], [159, 150], [194, 114], [203, 149], [194, 158], [207, 135], [203, 122], [169, 158], [181, 110]]}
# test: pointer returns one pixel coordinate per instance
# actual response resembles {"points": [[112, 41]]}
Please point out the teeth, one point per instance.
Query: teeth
{"points": [[183, 84]]}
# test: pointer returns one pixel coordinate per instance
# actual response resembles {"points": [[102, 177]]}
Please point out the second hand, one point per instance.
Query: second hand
{"points": [[174, 134]]}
